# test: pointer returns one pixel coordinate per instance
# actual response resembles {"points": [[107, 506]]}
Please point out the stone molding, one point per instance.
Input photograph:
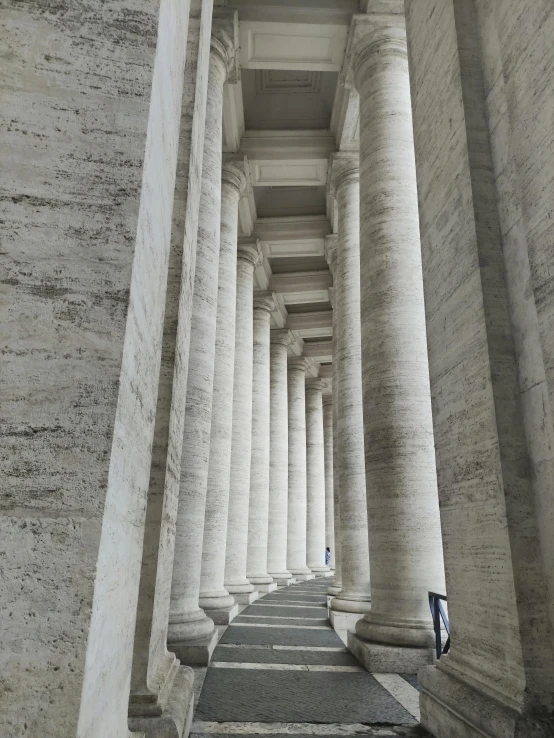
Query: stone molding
{"points": [[264, 301], [232, 175], [297, 363], [281, 337], [344, 167], [314, 384], [331, 244], [248, 249], [225, 41], [373, 48]]}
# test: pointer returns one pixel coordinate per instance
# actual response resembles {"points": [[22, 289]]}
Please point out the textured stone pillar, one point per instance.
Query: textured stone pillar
{"points": [[236, 581], [328, 456], [482, 91], [296, 537], [404, 527], [161, 689], [331, 256], [258, 510], [191, 634], [278, 459], [347, 390], [214, 598], [315, 479]]}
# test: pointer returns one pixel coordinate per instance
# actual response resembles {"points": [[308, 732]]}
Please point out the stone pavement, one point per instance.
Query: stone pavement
{"points": [[280, 669]]}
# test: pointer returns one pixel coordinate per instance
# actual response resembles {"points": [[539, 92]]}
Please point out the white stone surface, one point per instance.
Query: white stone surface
{"points": [[258, 512], [347, 388], [241, 446], [403, 514], [187, 620], [315, 479], [278, 461], [328, 456], [213, 595], [296, 536]]}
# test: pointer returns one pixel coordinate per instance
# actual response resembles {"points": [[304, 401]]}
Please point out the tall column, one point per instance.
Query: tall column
{"points": [[191, 634], [481, 155], [214, 598], [236, 581], [404, 526], [354, 596], [328, 457], [278, 459], [296, 539], [331, 242], [258, 514], [158, 682], [315, 479]]}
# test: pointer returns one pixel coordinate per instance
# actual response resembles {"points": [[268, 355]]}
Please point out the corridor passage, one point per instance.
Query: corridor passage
{"points": [[280, 669]]}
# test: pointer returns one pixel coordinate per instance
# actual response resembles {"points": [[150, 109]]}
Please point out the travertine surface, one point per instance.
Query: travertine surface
{"points": [[328, 456], [187, 621], [241, 446], [471, 101], [278, 457], [315, 478], [87, 185], [296, 537], [154, 667], [213, 594], [400, 465], [258, 510], [347, 389]]}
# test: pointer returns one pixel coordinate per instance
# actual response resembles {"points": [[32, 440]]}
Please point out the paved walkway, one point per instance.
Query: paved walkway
{"points": [[280, 669]]}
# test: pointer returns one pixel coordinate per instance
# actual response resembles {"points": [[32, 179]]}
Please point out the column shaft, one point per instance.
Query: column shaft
{"points": [[315, 479], [214, 598], [296, 540], [328, 456], [404, 527], [278, 458], [187, 621], [241, 444], [258, 513]]}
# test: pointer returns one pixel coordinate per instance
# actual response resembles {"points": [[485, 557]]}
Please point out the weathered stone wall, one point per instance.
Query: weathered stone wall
{"points": [[91, 96]]}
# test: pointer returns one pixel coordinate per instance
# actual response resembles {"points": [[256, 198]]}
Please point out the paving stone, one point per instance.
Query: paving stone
{"points": [[295, 696], [413, 680], [293, 612], [281, 636], [275, 620], [272, 656]]}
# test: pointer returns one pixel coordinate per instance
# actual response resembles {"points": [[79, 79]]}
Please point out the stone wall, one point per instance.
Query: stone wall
{"points": [[91, 106]]}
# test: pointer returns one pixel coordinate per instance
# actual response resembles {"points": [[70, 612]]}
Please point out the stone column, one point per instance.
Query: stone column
{"points": [[258, 514], [404, 527], [315, 479], [354, 596], [278, 459], [191, 634], [328, 457], [331, 256], [214, 598], [296, 539], [236, 581]]}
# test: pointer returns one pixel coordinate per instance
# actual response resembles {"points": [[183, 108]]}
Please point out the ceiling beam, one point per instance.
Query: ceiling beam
{"points": [[311, 325], [321, 351]]}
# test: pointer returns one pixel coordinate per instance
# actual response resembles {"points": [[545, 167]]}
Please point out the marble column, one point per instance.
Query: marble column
{"points": [[278, 459], [331, 242], [214, 598], [328, 458], [258, 510], [296, 537], [236, 581], [315, 479], [354, 596], [191, 634], [403, 512]]}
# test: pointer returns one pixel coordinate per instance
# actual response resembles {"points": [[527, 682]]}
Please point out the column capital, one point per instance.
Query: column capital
{"points": [[331, 244], [315, 384], [344, 168], [297, 363], [224, 43], [264, 301], [281, 337], [232, 175], [249, 250]]}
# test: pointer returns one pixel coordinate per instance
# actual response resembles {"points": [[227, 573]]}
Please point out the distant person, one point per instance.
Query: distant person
{"points": [[327, 556]]}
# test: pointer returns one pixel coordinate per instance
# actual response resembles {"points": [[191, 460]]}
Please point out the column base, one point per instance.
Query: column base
{"points": [[351, 606], [343, 621], [240, 587], [280, 576], [195, 653], [174, 720], [320, 571], [285, 582], [450, 707], [385, 659], [334, 589], [304, 577], [247, 598], [224, 615], [265, 588]]}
